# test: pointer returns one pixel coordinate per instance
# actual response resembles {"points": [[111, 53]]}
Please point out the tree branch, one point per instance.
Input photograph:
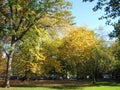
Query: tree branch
{"points": [[21, 19], [24, 32], [11, 9], [6, 52]]}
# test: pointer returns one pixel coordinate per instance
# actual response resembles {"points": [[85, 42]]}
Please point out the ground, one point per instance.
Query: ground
{"points": [[62, 85]]}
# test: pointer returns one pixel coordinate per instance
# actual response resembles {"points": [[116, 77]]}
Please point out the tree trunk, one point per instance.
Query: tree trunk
{"points": [[8, 68], [94, 79], [77, 72]]}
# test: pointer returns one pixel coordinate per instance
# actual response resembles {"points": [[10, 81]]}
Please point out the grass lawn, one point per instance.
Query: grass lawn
{"points": [[65, 88], [62, 85]]}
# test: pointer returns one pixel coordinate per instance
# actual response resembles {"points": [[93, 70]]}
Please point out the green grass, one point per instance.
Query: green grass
{"points": [[63, 85], [65, 88]]}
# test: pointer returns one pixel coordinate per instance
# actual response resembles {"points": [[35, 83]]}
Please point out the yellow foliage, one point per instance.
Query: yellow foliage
{"points": [[32, 52], [79, 43]]}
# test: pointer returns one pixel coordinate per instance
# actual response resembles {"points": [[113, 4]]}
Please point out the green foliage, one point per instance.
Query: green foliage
{"points": [[116, 31], [115, 48], [101, 60], [23, 15], [52, 61]]}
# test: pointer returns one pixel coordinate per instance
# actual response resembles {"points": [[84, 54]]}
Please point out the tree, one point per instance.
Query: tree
{"points": [[19, 16], [52, 61], [77, 48], [101, 61], [112, 12], [38, 43], [30, 53], [115, 48]]}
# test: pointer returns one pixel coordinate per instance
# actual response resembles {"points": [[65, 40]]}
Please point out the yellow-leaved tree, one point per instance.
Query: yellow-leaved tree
{"points": [[29, 56], [77, 48], [37, 53], [52, 63]]}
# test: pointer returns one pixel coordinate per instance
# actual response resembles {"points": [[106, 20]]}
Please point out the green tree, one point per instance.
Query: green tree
{"points": [[101, 61], [115, 48], [51, 61], [19, 16]]}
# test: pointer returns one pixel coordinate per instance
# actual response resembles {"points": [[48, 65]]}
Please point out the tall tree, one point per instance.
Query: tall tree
{"points": [[77, 47], [101, 61], [51, 62], [19, 16], [30, 53], [115, 48]]}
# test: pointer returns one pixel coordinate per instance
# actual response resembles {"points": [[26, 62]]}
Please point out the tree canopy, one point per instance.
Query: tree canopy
{"points": [[19, 16]]}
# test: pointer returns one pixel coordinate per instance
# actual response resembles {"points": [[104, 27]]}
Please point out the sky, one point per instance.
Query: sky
{"points": [[86, 16]]}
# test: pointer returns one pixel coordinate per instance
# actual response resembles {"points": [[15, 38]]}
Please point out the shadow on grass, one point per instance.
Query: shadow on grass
{"points": [[55, 87], [107, 82], [66, 87], [63, 84]]}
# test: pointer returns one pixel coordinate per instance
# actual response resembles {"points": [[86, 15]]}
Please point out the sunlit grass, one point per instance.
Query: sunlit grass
{"points": [[65, 88]]}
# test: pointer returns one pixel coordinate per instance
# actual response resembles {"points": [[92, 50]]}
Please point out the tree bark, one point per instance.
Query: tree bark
{"points": [[77, 72], [8, 68], [94, 79]]}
